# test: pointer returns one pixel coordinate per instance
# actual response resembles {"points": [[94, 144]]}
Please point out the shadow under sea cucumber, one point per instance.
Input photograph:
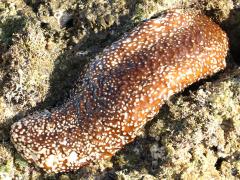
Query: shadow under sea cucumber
{"points": [[123, 89]]}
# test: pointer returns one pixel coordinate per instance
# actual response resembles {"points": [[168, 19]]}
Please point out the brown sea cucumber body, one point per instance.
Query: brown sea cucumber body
{"points": [[122, 89]]}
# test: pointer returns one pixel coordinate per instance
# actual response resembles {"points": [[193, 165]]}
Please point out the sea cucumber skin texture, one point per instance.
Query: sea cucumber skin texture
{"points": [[122, 89]]}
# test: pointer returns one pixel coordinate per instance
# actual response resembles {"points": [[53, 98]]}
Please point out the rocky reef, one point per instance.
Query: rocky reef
{"points": [[44, 47]]}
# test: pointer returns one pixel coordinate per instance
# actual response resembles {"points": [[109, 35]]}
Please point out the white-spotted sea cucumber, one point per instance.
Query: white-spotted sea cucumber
{"points": [[122, 89]]}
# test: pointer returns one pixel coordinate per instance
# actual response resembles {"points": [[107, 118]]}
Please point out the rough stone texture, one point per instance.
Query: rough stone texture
{"points": [[44, 46]]}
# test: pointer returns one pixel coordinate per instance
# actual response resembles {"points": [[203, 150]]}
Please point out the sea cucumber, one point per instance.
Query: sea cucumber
{"points": [[122, 89]]}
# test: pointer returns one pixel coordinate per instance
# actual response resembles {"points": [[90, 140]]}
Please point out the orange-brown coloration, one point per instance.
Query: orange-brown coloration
{"points": [[122, 89]]}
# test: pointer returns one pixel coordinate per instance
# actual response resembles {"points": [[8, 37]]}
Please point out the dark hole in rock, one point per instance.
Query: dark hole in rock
{"points": [[44, 25], [219, 163], [214, 148], [69, 23], [66, 20]]}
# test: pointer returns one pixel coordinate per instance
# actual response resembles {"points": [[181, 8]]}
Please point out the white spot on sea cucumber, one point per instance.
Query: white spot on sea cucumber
{"points": [[73, 157], [50, 161]]}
